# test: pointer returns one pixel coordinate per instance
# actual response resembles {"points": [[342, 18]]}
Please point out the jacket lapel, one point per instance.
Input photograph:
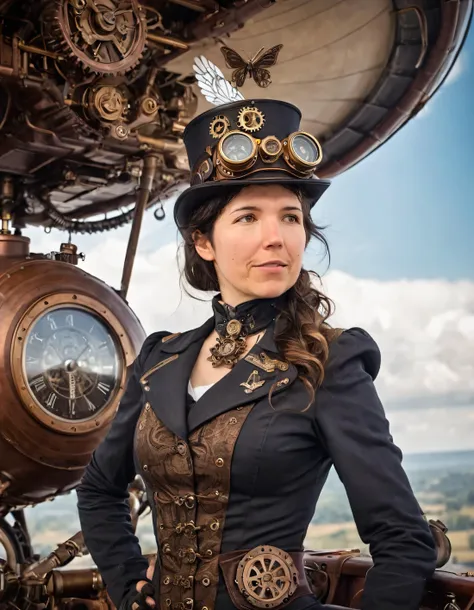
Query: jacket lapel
{"points": [[166, 377], [248, 382]]}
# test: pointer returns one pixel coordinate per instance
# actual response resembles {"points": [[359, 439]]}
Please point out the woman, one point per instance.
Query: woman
{"points": [[234, 425]]}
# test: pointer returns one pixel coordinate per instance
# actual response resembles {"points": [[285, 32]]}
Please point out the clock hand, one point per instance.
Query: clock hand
{"points": [[72, 393], [86, 347]]}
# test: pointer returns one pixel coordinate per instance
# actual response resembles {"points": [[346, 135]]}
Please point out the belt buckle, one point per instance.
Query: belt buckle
{"points": [[267, 577]]}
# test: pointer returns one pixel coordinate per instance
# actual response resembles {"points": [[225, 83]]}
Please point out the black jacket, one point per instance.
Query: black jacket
{"points": [[280, 463]]}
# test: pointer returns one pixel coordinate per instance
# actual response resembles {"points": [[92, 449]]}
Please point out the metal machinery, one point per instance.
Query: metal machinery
{"points": [[94, 98]]}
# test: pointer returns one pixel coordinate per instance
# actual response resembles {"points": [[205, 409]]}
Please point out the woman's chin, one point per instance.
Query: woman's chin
{"points": [[270, 289]]}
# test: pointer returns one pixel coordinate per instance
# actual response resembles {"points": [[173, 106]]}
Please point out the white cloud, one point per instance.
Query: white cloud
{"points": [[425, 328]]}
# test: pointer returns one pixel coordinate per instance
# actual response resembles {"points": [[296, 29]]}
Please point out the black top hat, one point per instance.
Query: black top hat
{"points": [[245, 143]]}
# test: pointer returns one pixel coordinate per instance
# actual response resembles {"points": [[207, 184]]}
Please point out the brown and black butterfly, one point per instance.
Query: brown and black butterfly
{"points": [[255, 68]]}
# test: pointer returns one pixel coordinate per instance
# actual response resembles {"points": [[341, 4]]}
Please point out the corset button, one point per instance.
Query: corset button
{"points": [[190, 501], [219, 462], [181, 447]]}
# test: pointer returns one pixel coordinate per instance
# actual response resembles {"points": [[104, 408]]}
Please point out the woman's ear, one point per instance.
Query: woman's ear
{"points": [[203, 246]]}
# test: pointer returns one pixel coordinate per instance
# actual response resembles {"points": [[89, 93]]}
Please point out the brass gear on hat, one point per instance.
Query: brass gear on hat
{"points": [[219, 126], [251, 119], [105, 36]]}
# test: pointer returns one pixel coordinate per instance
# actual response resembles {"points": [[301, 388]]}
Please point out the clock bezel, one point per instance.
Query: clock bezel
{"points": [[122, 342]]}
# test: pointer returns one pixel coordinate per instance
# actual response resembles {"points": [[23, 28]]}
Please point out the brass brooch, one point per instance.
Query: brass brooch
{"points": [[253, 382], [230, 347], [263, 361]]}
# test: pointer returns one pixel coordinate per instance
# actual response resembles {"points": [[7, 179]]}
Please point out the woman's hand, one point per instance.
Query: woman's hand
{"points": [[145, 589]]}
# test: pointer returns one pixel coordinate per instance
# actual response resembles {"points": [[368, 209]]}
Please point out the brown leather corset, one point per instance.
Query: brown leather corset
{"points": [[190, 483]]}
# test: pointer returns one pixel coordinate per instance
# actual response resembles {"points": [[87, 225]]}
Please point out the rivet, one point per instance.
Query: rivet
{"points": [[233, 420], [166, 580], [206, 582], [168, 601], [209, 553], [145, 467], [147, 388], [147, 406], [219, 462]]}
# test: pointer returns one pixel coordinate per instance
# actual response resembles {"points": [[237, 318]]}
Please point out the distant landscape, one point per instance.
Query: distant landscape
{"points": [[443, 484]]}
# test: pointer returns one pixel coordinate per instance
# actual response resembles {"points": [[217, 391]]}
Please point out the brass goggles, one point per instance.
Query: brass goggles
{"points": [[237, 152]]}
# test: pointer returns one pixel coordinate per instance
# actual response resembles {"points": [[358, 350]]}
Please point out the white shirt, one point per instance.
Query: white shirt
{"points": [[196, 393]]}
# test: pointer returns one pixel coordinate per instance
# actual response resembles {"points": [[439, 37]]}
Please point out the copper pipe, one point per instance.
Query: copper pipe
{"points": [[194, 6], [146, 183], [178, 127], [37, 51], [171, 42], [160, 144]]}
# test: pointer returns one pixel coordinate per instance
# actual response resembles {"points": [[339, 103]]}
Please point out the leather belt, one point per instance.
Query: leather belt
{"points": [[264, 577]]}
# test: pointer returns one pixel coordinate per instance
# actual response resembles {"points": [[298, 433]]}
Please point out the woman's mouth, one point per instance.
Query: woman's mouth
{"points": [[276, 265]]}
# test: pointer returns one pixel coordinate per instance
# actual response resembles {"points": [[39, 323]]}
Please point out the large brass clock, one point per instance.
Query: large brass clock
{"points": [[67, 362]]}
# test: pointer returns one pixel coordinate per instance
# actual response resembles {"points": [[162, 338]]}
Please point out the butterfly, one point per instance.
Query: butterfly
{"points": [[254, 68]]}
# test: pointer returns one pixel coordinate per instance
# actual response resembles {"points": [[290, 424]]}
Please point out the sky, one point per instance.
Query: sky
{"points": [[400, 227]]}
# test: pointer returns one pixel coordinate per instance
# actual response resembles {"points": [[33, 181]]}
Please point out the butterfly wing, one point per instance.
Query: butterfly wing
{"points": [[239, 76], [215, 88], [232, 58], [268, 58], [262, 77]]}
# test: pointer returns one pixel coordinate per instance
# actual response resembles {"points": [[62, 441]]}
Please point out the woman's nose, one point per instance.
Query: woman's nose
{"points": [[272, 234]]}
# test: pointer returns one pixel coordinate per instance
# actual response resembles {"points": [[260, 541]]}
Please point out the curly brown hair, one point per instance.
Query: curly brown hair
{"points": [[302, 333]]}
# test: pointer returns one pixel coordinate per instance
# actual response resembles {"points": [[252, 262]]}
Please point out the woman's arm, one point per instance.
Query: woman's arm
{"points": [[104, 511], [352, 423]]}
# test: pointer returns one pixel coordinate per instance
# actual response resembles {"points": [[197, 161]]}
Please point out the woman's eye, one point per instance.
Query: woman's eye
{"points": [[247, 218], [292, 218]]}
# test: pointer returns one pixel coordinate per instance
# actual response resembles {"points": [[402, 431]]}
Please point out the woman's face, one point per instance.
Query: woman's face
{"points": [[257, 244]]}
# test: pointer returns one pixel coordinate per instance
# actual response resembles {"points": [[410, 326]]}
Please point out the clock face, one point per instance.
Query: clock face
{"points": [[71, 363]]}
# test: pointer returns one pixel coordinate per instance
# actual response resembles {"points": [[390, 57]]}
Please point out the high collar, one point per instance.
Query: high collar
{"points": [[255, 315]]}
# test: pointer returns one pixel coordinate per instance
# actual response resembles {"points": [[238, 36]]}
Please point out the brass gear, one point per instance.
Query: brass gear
{"points": [[219, 126], [105, 36], [267, 576], [251, 119]]}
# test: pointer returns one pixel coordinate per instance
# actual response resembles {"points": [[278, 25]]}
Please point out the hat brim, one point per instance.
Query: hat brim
{"points": [[193, 197]]}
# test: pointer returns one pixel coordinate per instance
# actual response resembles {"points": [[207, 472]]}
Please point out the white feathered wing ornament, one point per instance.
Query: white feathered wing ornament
{"points": [[214, 86]]}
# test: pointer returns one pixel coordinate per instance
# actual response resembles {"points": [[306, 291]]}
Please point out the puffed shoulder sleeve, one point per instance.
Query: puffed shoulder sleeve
{"points": [[351, 421], [102, 495]]}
